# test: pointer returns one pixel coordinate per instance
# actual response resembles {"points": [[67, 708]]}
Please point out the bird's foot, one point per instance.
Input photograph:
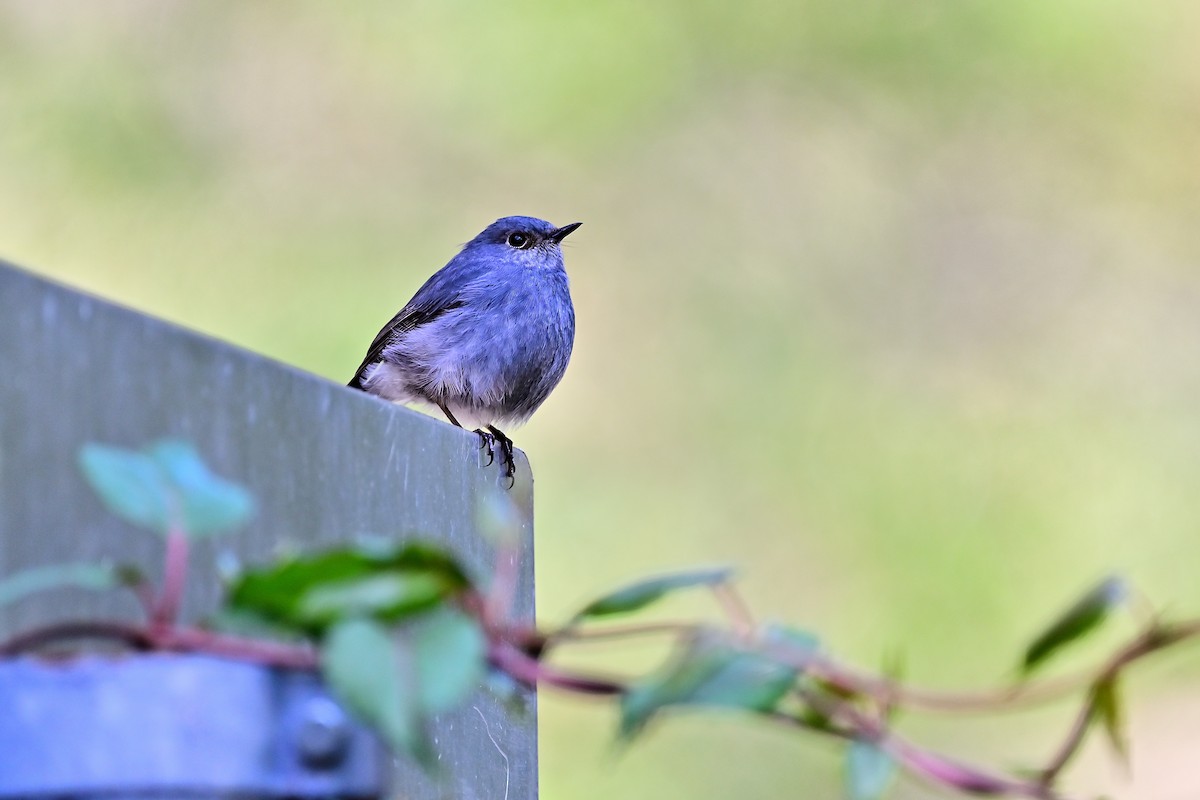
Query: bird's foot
{"points": [[487, 441], [506, 455]]}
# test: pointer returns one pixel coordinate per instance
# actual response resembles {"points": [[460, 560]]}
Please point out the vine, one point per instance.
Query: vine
{"points": [[403, 632]]}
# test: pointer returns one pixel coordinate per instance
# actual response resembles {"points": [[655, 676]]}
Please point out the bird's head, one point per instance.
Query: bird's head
{"points": [[525, 240]]}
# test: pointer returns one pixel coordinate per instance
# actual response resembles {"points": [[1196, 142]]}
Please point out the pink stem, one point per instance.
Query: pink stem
{"points": [[530, 671], [278, 654], [499, 600], [175, 563], [133, 636]]}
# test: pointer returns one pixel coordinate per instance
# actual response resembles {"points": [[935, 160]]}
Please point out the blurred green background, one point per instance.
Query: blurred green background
{"points": [[893, 305]]}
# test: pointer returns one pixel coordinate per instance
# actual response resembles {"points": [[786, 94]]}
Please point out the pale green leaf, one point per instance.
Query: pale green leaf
{"points": [[129, 483], [451, 660], [81, 575], [1106, 705], [869, 771], [372, 675], [642, 593], [208, 504], [710, 672]]}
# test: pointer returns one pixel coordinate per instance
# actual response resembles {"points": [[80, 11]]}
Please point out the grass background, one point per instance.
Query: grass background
{"points": [[894, 306]]}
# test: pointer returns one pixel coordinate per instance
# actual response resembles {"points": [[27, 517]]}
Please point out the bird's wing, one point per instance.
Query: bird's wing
{"points": [[406, 320], [441, 293]]}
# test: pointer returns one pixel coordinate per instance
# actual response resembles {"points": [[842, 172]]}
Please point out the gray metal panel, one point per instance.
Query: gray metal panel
{"points": [[178, 726], [325, 462]]}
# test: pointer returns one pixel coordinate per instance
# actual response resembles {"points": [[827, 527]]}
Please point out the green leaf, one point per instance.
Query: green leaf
{"points": [[1081, 618], [165, 485], [826, 696], [372, 675], [451, 661], [208, 504], [82, 575], [893, 671], [130, 484], [869, 771], [710, 672], [238, 622], [1106, 705], [387, 595], [642, 593], [310, 592]]}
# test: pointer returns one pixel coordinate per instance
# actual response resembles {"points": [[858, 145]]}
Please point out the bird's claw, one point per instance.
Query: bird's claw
{"points": [[510, 463], [487, 441], [489, 437]]}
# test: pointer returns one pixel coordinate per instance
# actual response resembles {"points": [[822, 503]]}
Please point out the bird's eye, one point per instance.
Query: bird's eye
{"points": [[519, 240]]}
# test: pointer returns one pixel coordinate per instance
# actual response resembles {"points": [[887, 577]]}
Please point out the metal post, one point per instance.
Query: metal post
{"points": [[326, 463]]}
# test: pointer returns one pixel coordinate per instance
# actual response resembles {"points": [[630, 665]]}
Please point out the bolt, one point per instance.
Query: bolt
{"points": [[323, 734]]}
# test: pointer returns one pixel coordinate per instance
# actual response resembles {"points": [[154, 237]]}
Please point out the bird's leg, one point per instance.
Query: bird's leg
{"points": [[449, 416], [488, 439], [506, 454]]}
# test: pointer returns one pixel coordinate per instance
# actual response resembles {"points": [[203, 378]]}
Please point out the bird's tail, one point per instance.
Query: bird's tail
{"points": [[360, 376], [357, 381]]}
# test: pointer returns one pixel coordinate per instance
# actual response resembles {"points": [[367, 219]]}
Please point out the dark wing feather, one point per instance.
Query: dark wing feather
{"points": [[411, 316], [443, 292]]}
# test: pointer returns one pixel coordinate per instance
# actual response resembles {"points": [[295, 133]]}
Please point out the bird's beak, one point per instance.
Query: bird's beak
{"points": [[558, 234]]}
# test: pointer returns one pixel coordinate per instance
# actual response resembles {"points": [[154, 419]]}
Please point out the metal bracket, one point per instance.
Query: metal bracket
{"points": [[162, 725]]}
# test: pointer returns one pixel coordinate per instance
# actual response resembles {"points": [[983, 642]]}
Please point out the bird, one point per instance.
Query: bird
{"points": [[486, 338]]}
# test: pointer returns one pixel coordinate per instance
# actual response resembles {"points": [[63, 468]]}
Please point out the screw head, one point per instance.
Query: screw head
{"points": [[323, 734]]}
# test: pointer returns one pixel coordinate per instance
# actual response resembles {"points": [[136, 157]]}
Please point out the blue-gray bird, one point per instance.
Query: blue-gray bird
{"points": [[487, 337]]}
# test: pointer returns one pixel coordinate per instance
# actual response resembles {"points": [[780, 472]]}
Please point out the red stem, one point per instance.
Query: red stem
{"points": [[278, 654], [134, 636], [498, 602], [530, 671], [137, 637], [175, 564], [940, 770], [735, 608]]}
